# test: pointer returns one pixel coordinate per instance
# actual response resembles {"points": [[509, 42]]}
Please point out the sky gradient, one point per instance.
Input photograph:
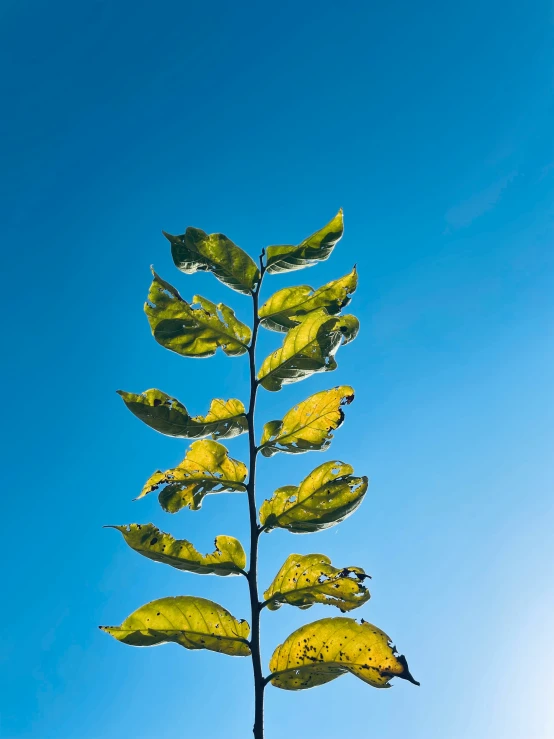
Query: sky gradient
{"points": [[432, 127]]}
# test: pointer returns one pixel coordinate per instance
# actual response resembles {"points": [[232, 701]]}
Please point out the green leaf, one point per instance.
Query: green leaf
{"points": [[307, 427], [307, 349], [194, 623], [305, 579], [206, 468], [327, 496], [193, 331], [290, 306], [316, 248], [319, 652], [224, 420], [229, 557], [197, 251]]}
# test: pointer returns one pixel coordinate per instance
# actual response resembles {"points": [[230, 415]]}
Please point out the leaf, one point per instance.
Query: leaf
{"points": [[224, 420], [307, 427], [194, 623], [316, 248], [305, 579], [319, 652], [327, 496], [193, 331], [197, 251], [229, 557], [206, 468], [307, 349], [290, 306]]}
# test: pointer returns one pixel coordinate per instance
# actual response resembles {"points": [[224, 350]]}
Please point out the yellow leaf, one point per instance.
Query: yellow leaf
{"points": [[224, 420], [290, 306], [307, 349], [229, 557], [193, 331], [308, 426], [305, 579], [194, 623], [206, 468], [197, 251], [316, 248], [319, 652], [327, 496]]}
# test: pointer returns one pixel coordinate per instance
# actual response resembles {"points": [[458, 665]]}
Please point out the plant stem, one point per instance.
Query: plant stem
{"points": [[259, 683]]}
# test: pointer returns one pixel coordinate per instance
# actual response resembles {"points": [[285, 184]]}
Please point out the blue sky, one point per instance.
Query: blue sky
{"points": [[432, 127]]}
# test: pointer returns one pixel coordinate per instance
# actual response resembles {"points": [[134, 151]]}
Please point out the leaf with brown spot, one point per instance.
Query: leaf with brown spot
{"points": [[229, 557], [308, 426], [327, 496], [206, 468], [193, 623], [305, 579], [321, 651], [224, 419]]}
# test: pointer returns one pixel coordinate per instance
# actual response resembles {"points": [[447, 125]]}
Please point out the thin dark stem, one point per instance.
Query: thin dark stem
{"points": [[259, 683]]}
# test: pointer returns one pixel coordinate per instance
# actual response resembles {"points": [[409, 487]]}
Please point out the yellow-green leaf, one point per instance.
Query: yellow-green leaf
{"points": [[224, 420], [193, 330], [316, 248], [229, 557], [307, 349], [197, 251], [305, 579], [307, 427], [319, 652], [327, 496], [206, 468], [290, 306], [194, 623]]}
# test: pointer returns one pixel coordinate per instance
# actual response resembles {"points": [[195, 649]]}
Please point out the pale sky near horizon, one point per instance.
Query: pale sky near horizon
{"points": [[432, 127]]}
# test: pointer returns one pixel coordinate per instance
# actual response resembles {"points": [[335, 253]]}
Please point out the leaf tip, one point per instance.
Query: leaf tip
{"points": [[406, 674]]}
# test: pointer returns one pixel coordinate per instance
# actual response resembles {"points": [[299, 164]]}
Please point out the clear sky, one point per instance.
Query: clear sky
{"points": [[431, 125]]}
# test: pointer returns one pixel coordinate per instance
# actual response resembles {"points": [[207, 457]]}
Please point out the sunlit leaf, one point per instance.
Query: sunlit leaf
{"points": [[206, 468], [307, 349], [308, 426], [197, 251], [316, 248], [324, 498], [195, 330], [229, 557], [290, 306], [194, 623], [224, 420], [319, 652], [305, 579]]}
